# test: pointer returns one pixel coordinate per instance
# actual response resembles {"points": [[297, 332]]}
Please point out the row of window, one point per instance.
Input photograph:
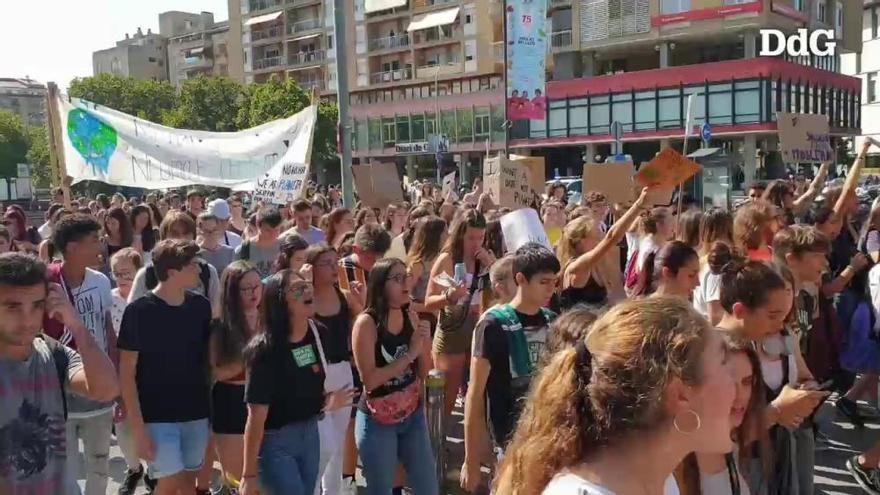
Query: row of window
{"points": [[730, 103], [428, 90], [462, 125]]}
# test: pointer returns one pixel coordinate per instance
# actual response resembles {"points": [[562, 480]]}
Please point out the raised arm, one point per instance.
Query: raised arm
{"points": [[852, 178], [803, 202]]}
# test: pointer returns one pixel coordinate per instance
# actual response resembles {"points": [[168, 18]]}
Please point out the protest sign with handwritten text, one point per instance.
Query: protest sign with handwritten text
{"points": [[804, 138]]}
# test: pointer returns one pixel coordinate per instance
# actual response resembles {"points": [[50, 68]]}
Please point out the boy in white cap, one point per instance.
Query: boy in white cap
{"points": [[220, 209]]}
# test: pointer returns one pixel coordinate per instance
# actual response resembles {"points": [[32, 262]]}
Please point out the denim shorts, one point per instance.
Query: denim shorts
{"points": [[179, 447]]}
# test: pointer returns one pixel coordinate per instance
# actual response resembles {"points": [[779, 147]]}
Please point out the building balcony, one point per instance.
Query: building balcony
{"points": [[424, 4], [561, 39], [310, 84], [267, 63], [194, 62], [439, 70], [391, 76], [435, 36], [306, 58], [259, 5], [267, 33], [400, 41], [303, 26], [558, 4]]}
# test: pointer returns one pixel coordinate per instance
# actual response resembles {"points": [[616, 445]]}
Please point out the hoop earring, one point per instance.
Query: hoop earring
{"points": [[678, 428]]}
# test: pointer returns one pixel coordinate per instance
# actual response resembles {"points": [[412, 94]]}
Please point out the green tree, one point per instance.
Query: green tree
{"points": [[145, 99], [13, 144], [207, 104], [280, 99], [38, 156]]}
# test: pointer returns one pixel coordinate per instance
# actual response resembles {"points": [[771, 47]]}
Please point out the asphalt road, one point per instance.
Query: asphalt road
{"points": [[831, 476]]}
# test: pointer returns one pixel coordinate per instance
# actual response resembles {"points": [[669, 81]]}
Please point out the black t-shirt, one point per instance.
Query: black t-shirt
{"points": [[337, 338], [172, 373], [289, 380], [505, 392]]}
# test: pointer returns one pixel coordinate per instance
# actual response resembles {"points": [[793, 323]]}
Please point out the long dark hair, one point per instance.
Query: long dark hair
{"points": [[148, 235], [410, 233], [427, 241], [471, 218], [231, 334], [333, 218], [290, 244], [494, 241], [377, 303], [126, 236], [276, 317]]}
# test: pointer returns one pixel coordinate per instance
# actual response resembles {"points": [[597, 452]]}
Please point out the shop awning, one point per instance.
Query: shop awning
{"points": [[262, 18], [377, 5], [433, 19]]}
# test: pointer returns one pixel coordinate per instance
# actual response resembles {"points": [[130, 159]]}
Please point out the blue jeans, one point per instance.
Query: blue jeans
{"points": [[382, 447], [288, 459]]}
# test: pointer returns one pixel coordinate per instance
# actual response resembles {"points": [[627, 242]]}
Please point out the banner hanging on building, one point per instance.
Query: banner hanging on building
{"points": [[526, 40], [105, 145]]}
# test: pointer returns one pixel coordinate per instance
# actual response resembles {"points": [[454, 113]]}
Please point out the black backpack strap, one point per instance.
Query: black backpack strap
{"points": [[150, 280], [59, 357], [245, 253], [205, 278]]}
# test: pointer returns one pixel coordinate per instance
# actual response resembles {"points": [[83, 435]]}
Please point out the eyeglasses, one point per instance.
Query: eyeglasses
{"points": [[400, 278], [249, 290]]}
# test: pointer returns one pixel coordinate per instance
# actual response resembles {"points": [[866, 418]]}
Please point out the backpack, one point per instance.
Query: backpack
{"points": [[59, 357], [152, 281], [520, 363]]}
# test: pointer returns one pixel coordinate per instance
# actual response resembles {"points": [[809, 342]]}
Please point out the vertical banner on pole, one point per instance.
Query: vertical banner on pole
{"points": [[526, 41]]}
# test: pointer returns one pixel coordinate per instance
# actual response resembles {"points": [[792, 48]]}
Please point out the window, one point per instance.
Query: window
{"points": [[798, 5], [482, 123], [388, 136], [838, 19], [152, 59], [403, 129], [821, 8], [418, 128], [875, 23], [872, 87], [329, 41], [674, 6]]}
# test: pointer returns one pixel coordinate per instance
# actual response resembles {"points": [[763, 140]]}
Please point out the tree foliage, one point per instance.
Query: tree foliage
{"points": [[145, 99], [207, 104], [38, 157], [13, 143]]}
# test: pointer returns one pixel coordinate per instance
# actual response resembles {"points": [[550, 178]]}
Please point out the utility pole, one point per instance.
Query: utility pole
{"points": [[342, 97]]}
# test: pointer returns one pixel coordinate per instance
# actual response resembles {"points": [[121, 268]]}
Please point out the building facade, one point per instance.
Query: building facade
{"points": [[427, 71], [283, 39], [142, 56], [866, 66], [431, 67], [195, 48], [25, 98]]}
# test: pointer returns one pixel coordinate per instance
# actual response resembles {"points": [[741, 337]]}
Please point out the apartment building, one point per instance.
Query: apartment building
{"points": [[196, 46], [142, 56], [24, 97], [637, 62], [866, 66], [283, 39], [427, 70]]}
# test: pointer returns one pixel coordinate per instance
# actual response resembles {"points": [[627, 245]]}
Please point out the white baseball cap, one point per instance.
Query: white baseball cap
{"points": [[220, 209]]}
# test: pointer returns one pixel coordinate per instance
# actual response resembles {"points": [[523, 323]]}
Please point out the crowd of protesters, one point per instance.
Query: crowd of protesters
{"points": [[648, 350]]}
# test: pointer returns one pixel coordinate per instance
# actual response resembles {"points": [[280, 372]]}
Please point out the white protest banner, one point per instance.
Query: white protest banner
{"points": [[285, 181], [804, 138], [105, 145], [523, 226]]}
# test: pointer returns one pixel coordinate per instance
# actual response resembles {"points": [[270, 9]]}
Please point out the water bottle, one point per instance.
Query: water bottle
{"points": [[460, 272]]}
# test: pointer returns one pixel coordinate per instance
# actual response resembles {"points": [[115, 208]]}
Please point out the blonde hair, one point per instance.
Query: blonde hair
{"points": [[609, 386], [127, 254], [750, 225], [574, 232]]}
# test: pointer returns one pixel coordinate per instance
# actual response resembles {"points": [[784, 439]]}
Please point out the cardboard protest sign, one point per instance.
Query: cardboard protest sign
{"points": [[377, 184], [536, 168], [658, 196], [614, 180], [449, 186], [668, 169], [804, 138], [521, 227], [508, 182]]}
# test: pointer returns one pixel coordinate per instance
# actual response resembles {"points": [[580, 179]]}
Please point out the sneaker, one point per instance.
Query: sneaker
{"points": [[349, 486], [868, 479], [131, 480], [851, 410], [150, 483]]}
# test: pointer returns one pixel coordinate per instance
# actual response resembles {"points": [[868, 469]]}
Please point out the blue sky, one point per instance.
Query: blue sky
{"points": [[53, 40]]}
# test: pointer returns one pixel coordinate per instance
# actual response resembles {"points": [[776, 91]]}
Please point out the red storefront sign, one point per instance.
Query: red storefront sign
{"points": [[709, 13], [790, 12]]}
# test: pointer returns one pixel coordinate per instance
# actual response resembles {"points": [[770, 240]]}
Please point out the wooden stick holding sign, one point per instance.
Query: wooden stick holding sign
{"points": [[56, 142]]}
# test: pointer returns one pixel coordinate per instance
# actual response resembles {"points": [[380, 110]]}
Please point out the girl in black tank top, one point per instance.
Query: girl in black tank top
{"points": [[390, 347], [337, 342]]}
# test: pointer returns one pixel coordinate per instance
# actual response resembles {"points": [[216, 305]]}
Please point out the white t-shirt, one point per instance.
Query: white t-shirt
{"points": [[231, 239], [567, 483], [708, 291], [116, 312], [647, 246]]}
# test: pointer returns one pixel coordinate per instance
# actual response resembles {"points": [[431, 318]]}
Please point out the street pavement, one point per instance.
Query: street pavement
{"points": [[831, 476]]}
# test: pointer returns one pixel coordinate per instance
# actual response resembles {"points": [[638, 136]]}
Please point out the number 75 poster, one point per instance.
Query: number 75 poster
{"points": [[526, 54]]}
